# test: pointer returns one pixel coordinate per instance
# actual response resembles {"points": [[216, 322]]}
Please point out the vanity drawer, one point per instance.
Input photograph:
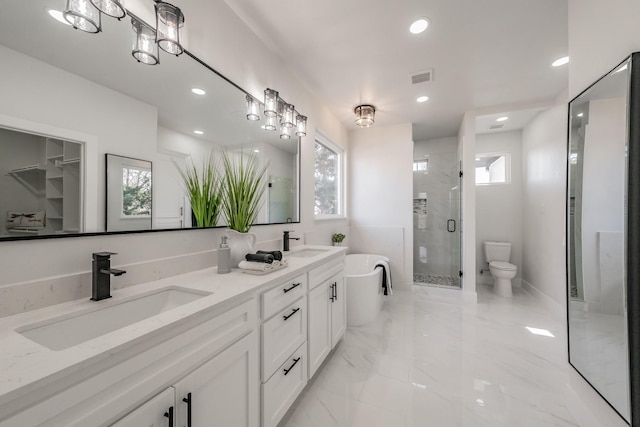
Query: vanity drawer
{"points": [[282, 334], [282, 295], [282, 389], [324, 272]]}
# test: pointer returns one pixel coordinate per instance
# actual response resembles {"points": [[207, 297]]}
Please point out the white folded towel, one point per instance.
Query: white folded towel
{"points": [[255, 266], [283, 263]]}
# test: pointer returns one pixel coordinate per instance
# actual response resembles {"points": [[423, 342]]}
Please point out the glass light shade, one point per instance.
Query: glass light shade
{"points": [[271, 123], [285, 132], [301, 125], [169, 21], [288, 115], [253, 108], [113, 8], [144, 49], [365, 115], [82, 15], [270, 102]]}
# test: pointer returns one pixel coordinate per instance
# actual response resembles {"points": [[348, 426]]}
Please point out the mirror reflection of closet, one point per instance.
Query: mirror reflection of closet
{"points": [[41, 187], [597, 237]]}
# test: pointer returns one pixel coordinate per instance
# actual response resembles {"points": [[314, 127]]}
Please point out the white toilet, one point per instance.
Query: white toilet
{"points": [[497, 255]]}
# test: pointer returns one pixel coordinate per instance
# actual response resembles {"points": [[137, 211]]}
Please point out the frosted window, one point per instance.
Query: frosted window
{"points": [[492, 168]]}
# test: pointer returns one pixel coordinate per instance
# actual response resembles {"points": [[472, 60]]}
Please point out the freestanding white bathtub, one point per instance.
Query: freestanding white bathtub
{"points": [[364, 288]]}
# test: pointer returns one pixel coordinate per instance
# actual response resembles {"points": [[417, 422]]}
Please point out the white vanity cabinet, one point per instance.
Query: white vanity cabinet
{"points": [[157, 412], [327, 315]]}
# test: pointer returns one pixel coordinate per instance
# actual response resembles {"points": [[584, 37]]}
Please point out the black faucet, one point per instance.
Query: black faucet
{"points": [[285, 240], [101, 275]]}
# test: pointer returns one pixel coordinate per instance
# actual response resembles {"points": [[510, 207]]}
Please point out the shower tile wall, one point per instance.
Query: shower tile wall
{"points": [[432, 243]]}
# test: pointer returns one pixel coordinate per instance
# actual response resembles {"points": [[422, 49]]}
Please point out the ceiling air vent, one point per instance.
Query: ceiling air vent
{"points": [[492, 127], [424, 77]]}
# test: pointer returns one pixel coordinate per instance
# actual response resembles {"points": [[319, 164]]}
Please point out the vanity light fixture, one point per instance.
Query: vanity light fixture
{"points": [[365, 115], [288, 115], [419, 26], [285, 132], [58, 16], [301, 125], [270, 102], [253, 108], [560, 61], [198, 91], [113, 8], [145, 49], [422, 98], [169, 21], [271, 123], [82, 15]]}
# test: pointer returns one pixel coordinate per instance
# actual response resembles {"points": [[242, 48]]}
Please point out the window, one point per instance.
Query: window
{"points": [[421, 166], [328, 179], [492, 168], [136, 191]]}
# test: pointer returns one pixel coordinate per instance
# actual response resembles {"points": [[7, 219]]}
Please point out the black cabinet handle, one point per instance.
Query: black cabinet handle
{"points": [[169, 414], [335, 291], [332, 298], [295, 310], [296, 360], [187, 400], [295, 285]]}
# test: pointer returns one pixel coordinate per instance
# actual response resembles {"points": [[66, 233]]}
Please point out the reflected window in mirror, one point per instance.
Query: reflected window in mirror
{"points": [[129, 196]]}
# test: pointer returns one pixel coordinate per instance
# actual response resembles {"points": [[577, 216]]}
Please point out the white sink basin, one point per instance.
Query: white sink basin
{"points": [[66, 331], [308, 253]]}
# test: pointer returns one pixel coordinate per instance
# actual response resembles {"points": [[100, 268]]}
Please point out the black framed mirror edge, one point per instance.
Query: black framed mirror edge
{"points": [[632, 243]]}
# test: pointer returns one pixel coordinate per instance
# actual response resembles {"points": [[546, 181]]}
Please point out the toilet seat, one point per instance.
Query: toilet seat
{"points": [[504, 266]]}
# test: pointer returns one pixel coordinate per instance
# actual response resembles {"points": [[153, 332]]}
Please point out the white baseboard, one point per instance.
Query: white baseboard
{"points": [[548, 302]]}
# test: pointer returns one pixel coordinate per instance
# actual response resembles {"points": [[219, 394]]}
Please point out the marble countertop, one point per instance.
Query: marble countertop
{"points": [[25, 365]]}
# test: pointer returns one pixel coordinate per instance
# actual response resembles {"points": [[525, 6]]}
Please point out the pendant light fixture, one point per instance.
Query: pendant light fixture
{"points": [[83, 15], [253, 108], [169, 21], [113, 8], [270, 102], [285, 132], [271, 123], [145, 49], [301, 125], [365, 115]]}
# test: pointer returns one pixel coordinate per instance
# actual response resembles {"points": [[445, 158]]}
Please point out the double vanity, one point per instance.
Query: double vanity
{"points": [[198, 349]]}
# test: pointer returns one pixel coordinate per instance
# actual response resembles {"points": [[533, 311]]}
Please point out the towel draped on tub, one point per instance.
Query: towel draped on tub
{"points": [[386, 276]]}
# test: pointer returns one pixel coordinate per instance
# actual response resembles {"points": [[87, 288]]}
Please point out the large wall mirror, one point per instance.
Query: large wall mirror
{"points": [[602, 236], [69, 98]]}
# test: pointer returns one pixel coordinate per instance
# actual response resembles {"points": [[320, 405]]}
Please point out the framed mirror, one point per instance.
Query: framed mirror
{"points": [[603, 236], [88, 85]]}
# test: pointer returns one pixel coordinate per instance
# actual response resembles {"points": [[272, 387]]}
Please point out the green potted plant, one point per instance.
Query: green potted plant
{"points": [[337, 239], [243, 185], [203, 187]]}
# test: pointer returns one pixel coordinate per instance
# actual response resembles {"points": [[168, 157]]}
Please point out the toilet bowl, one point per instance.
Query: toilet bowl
{"points": [[497, 255]]}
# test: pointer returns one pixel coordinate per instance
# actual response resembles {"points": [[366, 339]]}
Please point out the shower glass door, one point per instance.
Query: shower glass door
{"points": [[455, 232]]}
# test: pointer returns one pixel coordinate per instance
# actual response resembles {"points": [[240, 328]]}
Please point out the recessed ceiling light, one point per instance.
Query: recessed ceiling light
{"points": [[560, 61], [542, 332], [198, 132], [57, 15], [502, 119], [477, 159], [198, 91], [580, 114], [419, 26], [256, 151], [423, 98]]}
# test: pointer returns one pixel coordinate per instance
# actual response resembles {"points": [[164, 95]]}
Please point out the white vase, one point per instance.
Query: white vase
{"points": [[240, 245]]}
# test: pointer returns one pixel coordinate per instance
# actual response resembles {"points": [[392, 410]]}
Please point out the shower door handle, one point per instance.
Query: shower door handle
{"points": [[451, 225]]}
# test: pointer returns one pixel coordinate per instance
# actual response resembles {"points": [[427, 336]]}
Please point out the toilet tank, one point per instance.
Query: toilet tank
{"points": [[497, 251]]}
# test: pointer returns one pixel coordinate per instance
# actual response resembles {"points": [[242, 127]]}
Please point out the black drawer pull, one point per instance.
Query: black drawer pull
{"points": [[169, 415], [187, 400], [286, 371], [335, 291], [295, 310], [295, 285]]}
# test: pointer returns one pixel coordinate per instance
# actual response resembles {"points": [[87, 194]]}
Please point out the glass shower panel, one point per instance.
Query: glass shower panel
{"points": [[455, 204]]}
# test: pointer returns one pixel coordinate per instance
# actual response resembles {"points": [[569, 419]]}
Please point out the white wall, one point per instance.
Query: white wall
{"points": [[217, 36], [467, 152], [380, 189], [499, 206]]}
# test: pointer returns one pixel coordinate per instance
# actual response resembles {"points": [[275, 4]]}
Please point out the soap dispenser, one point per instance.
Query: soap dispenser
{"points": [[224, 257]]}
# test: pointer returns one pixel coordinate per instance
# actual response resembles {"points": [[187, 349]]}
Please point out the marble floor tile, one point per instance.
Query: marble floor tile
{"points": [[430, 359]]}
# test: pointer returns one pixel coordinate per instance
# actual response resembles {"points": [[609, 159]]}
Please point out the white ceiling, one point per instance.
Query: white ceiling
{"points": [[483, 53]]}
